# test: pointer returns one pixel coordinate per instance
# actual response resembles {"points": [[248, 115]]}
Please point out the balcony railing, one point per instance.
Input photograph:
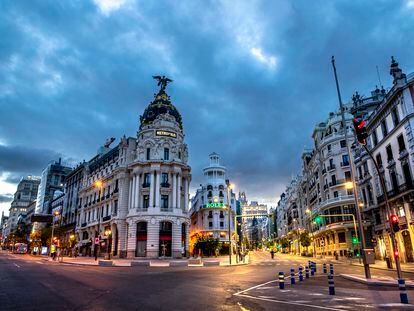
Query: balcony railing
{"points": [[106, 218], [166, 209], [331, 167], [146, 185], [83, 224], [332, 201], [165, 184], [343, 164]]}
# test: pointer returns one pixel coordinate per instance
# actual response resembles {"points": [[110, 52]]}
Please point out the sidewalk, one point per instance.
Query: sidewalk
{"points": [[192, 262]]}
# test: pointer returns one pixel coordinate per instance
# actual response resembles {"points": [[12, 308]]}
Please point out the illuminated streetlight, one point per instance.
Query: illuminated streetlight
{"points": [[361, 204], [349, 185], [98, 184]]}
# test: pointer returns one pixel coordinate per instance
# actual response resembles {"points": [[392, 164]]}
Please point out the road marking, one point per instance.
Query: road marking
{"points": [[40, 263], [253, 287], [290, 303], [16, 265]]}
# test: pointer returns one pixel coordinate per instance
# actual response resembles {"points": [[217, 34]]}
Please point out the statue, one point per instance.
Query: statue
{"points": [[162, 81]]}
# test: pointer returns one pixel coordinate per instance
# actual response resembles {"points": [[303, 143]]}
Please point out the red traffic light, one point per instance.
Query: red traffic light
{"points": [[396, 254], [394, 218], [394, 223], [360, 131]]}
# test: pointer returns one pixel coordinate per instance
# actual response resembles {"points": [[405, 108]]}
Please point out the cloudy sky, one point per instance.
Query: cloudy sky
{"points": [[251, 78]]}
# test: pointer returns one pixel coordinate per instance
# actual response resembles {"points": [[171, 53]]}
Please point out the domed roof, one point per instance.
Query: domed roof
{"points": [[160, 105]]}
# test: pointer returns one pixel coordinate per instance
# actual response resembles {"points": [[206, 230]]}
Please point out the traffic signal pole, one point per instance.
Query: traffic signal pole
{"points": [[352, 171], [387, 206]]}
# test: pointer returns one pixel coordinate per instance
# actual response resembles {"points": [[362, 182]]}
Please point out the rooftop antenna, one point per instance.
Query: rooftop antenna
{"points": [[378, 76]]}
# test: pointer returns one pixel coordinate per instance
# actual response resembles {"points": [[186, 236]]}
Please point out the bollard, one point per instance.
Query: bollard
{"points": [[331, 284], [307, 272], [312, 269], [281, 280], [300, 274], [314, 266], [324, 267], [292, 276], [331, 269], [403, 291]]}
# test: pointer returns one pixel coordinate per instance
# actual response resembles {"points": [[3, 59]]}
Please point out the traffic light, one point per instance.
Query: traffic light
{"points": [[360, 131], [354, 240], [318, 219], [396, 254], [394, 223]]}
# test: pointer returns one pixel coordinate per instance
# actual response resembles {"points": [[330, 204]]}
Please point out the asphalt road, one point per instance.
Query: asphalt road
{"points": [[34, 284]]}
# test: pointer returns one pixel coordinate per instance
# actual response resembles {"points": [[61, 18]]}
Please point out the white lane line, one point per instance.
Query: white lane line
{"points": [[40, 263], [253, 287], [290, 303], [16, 265]]}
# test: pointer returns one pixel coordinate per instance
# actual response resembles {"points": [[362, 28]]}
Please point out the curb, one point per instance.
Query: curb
{"points": [[384, 269], [362, 280]]}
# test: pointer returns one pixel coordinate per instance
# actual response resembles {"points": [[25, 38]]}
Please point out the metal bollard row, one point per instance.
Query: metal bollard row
{"points": [[292, 276], [281, 280], [331, 284], [403, 291]]}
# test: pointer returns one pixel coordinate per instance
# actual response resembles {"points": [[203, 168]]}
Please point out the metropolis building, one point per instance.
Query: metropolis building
{"points": [[139, 207]]}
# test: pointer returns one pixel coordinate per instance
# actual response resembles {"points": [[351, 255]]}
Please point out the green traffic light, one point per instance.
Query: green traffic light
{"points": [[318, 219], [354, 240]]}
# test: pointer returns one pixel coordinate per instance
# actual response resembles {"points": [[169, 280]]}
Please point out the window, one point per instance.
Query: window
{"points": [[343, 143], [401, 143], [146, 201], [166, 154], [221, 224], [345, 159], [348, 176], [389, 153], [384, 128], [148, 153], [374, 138], [210, 214], [329, 147], [333, 178], [379, 160], [179, 155], [115, 207], [221, 214], [210, 224], [147, 180], [331, 162], [164, 201], [341, 237], [335, 194], [395, 116]]}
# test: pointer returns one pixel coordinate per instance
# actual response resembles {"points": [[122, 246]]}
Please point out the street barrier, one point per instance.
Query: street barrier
{"points": [[331, 271], [281, 280], [300, 274], [314, 266], [292, 276], [307, 272], [324, 268], [403, 291], [331, 284]]}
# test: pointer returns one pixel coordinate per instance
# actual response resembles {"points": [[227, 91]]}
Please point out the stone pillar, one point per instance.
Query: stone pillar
{"points": [[157, 189], [179, 191], [176, 240], [174, 190], [153, 234], [186, 195], [132, 229], [130, 193], [136, 191], [134, 184], [151, 194], [123, 238]]}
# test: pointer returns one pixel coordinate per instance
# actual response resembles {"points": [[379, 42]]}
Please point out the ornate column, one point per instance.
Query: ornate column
{"points": [[130, 193], [157, 189], [151, 194], [174, 190], [179, 191], [186, 194], [136, 191], [134, 182]]}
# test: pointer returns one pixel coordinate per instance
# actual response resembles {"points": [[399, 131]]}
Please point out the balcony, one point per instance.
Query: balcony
{"points": [[83, 224], [106, 218], [107, 196], [325, 187], [344, 164], [116, 190], [405, 187], [166, 209], [331, 167], [403, 154], [146, 185], [333, 201], [390, 163], [165, 185]]}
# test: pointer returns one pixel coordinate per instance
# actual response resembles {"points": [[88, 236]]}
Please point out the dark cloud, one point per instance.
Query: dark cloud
{"points": [[5, 198], [73, 76]]}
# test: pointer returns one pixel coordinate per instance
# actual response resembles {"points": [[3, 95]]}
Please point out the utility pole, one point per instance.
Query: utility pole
{"points": [[352, 171]]}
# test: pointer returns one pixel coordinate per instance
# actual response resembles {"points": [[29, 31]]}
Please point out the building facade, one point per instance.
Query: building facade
{"points": [[209, 207], [139, 207]]}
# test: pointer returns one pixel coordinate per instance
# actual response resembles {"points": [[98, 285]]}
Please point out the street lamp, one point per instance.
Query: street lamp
{"points": [[108, 234], [349, 185], [229, 188], [98, 184]]}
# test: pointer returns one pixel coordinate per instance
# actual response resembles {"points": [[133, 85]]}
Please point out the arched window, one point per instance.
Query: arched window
{"points": [[141, 249]]}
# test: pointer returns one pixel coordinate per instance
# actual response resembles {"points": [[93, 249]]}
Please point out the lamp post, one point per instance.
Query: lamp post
{"points": [[229, 187], [352, 172], [108, 234], [98, 184]]}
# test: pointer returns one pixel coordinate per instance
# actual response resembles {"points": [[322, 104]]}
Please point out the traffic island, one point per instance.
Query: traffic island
{"points": [[211, 263], [135, 263], [384, 281], [182, 263], [105, 263]]}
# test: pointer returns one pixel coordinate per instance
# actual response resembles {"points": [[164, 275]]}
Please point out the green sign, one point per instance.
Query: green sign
{"points": [[215, 205]]}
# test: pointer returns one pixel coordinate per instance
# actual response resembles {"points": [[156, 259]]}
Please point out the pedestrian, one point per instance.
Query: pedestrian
{"points": [[59, 253], [53, 251], [272, 253]]}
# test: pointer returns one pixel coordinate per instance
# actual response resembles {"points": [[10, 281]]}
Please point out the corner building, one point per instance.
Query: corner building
{"points": [[144, 198]]}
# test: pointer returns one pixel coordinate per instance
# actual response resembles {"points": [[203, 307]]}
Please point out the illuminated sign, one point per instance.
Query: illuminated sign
{"points": [[166, 133], [215, 205]]}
